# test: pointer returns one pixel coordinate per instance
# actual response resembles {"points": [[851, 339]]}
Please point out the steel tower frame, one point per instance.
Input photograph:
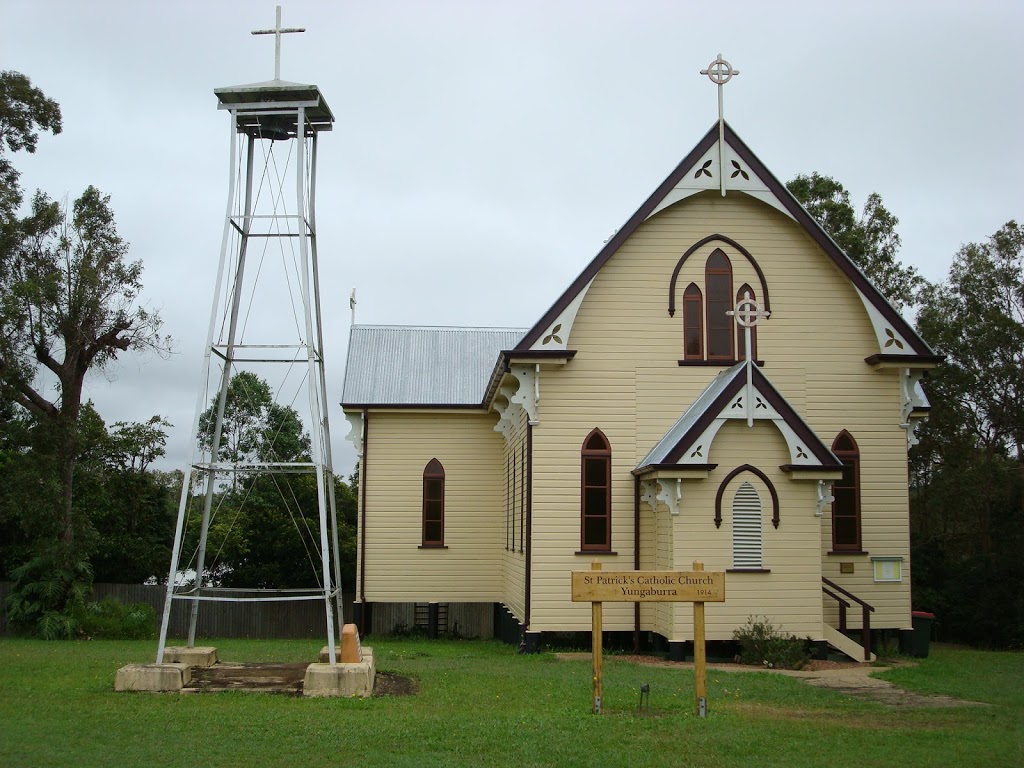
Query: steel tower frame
{"points": [[276, 111]]}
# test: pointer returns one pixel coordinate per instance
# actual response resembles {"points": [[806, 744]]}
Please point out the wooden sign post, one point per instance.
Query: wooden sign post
{"points": [[700, 667], [596, 648], [697, 586]]}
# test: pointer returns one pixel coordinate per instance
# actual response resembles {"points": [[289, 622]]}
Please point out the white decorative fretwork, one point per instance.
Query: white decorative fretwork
{"points": [[355, 433], [527, 394], [649, 493], [913, 399], [671, 493], [824, 497]]}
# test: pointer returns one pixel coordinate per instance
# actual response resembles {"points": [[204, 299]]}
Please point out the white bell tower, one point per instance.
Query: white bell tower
{"points": [[265, 321]]}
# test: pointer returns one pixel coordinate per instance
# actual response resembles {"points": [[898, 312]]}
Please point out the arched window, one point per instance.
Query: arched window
{"points": [[718, 285], [846, 496], [595, 494], [433, 504], [693, 323], [746, 528], [744, 292]]}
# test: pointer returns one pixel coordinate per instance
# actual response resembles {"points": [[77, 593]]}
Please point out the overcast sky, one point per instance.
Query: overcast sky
{"points": [[483, 151]]}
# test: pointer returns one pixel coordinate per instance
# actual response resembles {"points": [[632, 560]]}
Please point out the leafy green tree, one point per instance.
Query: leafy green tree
{"points": [[68, 306], [869, 239], [24, 111], [265, 532], [135, 524], [254, 426], [127, 513], [976, 319], [968, 471], [20, 490]]}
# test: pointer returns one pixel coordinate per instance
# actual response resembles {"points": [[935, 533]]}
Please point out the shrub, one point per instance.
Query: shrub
{"points": [[48, 597], [113, 620], [762, 644]]}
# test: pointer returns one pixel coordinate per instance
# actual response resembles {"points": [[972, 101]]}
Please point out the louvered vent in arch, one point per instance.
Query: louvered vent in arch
{"points": [[746, 528]]}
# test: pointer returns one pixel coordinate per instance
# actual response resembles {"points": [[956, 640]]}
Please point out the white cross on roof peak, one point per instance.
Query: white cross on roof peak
{"points": [[720, 72], [277, 31]]}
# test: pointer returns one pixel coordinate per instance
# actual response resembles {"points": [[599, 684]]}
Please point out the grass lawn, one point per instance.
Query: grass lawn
{"points": [[480, 704]]}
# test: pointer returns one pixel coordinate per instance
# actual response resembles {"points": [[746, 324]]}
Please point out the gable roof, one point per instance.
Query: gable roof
{"points": [[715, 403], [781, 197], [405, 366]]}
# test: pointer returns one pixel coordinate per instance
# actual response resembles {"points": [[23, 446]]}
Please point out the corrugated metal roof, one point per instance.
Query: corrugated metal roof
{"points": [[409, 365]]}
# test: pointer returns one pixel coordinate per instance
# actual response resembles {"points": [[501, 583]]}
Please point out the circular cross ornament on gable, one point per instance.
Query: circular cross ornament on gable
{"points": [[720, 71], [748, 312]]}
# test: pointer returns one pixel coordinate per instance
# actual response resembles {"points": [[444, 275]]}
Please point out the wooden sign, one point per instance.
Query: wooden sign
{"points": [[698, 586], [648, 586]]}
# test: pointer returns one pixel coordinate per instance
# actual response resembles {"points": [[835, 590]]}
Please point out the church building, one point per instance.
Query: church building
{"points": [[721, 383]]}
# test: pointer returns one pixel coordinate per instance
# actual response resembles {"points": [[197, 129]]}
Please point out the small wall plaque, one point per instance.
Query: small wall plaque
{"points": [[846, 567]]}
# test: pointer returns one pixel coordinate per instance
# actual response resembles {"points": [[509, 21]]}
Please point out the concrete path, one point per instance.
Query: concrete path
{"points": [[851, 679], [856, 682]]}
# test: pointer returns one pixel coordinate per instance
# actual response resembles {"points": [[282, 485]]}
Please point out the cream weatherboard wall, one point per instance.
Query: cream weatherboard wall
{"points": [[626, 380], [789, 593], [513, 529], [397, 568]]}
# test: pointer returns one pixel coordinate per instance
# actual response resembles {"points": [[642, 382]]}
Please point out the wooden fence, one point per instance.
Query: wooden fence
{"points": [[296, 619]]}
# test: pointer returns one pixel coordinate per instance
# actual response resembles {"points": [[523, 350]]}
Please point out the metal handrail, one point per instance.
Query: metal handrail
{"points": [[866, 610], [843, 605]]}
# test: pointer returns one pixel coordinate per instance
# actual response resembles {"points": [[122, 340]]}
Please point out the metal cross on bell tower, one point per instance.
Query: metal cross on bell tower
{"points": [[277, 31], [720, 72], [266, 334]]}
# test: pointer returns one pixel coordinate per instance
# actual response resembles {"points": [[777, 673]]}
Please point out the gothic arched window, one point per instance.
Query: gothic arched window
{"points": [[596, 493], [718, 287], [433, 504], [846, 496], [693, 323]]}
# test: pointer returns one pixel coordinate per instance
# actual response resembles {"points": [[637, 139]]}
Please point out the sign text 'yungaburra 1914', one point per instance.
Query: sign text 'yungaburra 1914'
{"points": [[648, 586]]}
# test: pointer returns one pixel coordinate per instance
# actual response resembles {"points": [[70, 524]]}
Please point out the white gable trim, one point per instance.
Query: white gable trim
{"points": [[556, 335], [704, 175], [890, 341], [761, 184], [799, 453]]}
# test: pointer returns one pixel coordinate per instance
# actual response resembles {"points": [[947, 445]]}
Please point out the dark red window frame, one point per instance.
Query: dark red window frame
{"points": [[596, 493], [721, 341], [846, 513], [693, 323], [433, 504]]}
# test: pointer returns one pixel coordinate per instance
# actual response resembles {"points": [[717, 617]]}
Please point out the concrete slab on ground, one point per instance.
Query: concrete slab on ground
{"points": [[153, 677], [199, 656], [259, 677], [334, 680]]}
